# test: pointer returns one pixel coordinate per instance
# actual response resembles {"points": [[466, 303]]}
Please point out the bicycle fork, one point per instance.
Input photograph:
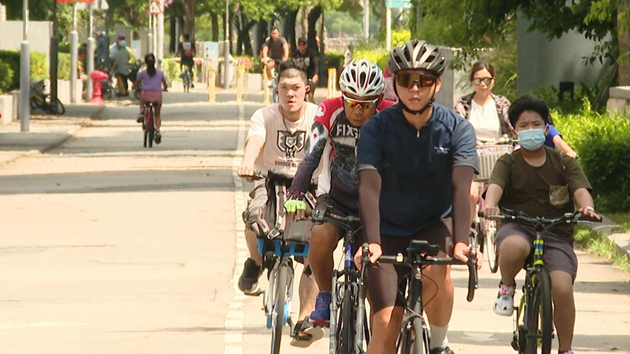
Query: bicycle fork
{"points": [[269, 297]]}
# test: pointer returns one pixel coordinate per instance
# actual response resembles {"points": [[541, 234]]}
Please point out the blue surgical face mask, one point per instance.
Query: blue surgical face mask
{"points": [[531, 139]]}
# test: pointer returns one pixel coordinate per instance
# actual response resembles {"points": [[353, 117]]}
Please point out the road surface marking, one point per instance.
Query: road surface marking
{"points": [[235, 315]]}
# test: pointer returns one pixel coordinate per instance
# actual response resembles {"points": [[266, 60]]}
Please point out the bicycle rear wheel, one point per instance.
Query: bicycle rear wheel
{"points": [[277, 320], [57, 107], [539, 320]]}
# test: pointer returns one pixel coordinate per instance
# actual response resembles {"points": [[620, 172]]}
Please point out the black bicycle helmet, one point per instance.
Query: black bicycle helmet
{"points": [[416, 54]]}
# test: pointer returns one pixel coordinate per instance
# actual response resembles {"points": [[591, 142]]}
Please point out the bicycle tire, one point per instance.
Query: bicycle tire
{"points": [[277, 321], [347, 323], [490, 233], [539, 322], [57, 107], [420, 347], [149, 128]]}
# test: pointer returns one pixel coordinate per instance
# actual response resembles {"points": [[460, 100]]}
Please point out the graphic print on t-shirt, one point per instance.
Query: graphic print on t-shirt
{"points": [[291, 143]]}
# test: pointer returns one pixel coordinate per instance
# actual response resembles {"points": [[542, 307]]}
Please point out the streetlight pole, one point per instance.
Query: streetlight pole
{"points": [[25, 73], [226, 48]]}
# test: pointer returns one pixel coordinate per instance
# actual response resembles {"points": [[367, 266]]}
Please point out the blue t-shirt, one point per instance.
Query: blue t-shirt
{"points": [[415, 166], [551, 133]]}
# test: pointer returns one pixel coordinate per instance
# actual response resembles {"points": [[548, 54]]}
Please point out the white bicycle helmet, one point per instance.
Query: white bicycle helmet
{"points": [[362, 78], [416, 54]]}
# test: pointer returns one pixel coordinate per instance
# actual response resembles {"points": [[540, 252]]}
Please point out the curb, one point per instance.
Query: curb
{"points": [[621, 240], [49, 147]]}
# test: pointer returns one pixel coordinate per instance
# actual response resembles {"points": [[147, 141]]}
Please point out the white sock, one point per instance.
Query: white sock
{"points": [[438, 336]]}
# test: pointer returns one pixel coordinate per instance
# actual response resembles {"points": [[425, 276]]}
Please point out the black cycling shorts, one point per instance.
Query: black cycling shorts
{"points": [[387, 283]]}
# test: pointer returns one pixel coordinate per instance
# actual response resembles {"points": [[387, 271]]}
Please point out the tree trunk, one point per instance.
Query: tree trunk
{"points": [[261, 35], [305, 11], [215, 26], [623, 41], [312, 26], [172, 44], [189, 10], [289, 29]]}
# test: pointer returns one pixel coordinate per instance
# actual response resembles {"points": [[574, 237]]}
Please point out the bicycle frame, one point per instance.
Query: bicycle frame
{"points": [[533, 269]]}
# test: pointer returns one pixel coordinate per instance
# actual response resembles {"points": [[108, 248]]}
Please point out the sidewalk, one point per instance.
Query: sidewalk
{"points": [[45, 132]]}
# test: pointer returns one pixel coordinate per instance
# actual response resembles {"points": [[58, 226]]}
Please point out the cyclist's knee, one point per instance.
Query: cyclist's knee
{"points": [[562, 284], [515, 246]]}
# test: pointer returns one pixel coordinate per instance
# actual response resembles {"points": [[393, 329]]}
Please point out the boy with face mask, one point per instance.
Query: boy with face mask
{"points": [[538, 181]]}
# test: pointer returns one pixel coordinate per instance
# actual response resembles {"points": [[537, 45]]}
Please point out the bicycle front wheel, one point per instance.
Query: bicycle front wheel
{"points": [[277, 319], [490, 233], [346, 323], [415, 337], [539, 321]]}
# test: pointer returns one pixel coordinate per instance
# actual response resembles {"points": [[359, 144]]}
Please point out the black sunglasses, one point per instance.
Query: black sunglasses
{"points": [[407, 80]]}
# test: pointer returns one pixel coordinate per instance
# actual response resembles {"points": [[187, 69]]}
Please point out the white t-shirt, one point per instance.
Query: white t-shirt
{"points": [[485, 120], [285, 141]]}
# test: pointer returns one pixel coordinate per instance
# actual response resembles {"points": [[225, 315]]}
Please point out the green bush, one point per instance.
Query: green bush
{"points": [[400, 36], [171, 70], [333, 59], [603, 143], [39, 66], [377, 55], [6, 76], [63, 66]]}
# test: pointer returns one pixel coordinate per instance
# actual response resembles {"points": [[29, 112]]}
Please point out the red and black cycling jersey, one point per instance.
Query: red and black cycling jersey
{"points": [[335, 139]]}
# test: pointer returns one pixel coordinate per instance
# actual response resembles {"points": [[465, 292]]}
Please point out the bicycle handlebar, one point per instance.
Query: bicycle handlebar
{"points": [[327, 215], [515, 215], [424, 260]]}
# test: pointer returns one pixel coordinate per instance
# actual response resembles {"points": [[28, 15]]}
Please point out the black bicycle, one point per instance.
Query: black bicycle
{"points": [[349, 332], [414, 334], [533, 322], [148, 124], [43, 101]]}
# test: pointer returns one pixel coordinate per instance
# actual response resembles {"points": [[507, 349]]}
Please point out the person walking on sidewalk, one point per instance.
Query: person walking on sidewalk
{"points": [[153, 83], [121, 68]]}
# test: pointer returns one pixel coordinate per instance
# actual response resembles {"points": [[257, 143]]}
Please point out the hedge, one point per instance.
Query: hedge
{"points": [[603, 143], [39, 68]]}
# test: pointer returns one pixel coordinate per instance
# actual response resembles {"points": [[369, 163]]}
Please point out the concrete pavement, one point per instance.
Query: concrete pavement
{"points": [[108, 247]]}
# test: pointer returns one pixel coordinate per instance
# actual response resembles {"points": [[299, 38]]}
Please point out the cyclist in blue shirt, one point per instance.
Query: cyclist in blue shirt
{"points": [[416, 161]]}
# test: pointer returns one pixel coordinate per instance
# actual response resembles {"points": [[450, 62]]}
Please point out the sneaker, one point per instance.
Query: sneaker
{"points": [[321, 314], [158, 137], [504, 303], [248, 282], [192, 85], [443, 350], [140, 118], [567, 352]]}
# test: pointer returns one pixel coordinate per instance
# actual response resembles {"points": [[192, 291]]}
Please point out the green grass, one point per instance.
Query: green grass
{"points": [[598, 243], [622, 219]]}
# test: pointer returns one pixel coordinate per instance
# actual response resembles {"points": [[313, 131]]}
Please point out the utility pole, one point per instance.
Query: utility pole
{"points": [[226, 47], [74, 42], [366, 19], [54, 56], [160, 34], [25, 73], [150, 34], [90, 53]]}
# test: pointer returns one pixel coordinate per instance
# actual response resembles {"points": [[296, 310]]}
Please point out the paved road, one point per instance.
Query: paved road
{"points": [[107, 247]]}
